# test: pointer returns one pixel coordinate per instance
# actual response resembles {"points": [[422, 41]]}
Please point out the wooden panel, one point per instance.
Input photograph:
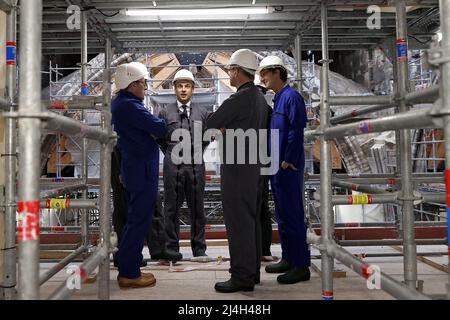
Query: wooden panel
{"points": [[336, 162], [220, 72]]}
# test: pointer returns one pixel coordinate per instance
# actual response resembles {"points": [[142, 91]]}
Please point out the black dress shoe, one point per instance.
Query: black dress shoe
{"points": [[294, 275], [229, 287], [167, 254], [280, 267]]}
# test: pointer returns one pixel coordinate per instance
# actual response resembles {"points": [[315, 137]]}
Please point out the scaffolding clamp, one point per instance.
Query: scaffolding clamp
{"points": [[438, 112], [417, 198], [437, 56]]}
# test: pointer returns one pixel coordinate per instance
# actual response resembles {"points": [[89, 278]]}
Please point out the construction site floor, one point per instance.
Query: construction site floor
{"points": [[195, 281]]}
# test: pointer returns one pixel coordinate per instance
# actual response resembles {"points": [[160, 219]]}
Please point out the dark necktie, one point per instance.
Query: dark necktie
{"points": [[184, 113]]}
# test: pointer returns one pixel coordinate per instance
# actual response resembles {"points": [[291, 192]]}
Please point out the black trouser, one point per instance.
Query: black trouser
{"points": [[156, 237], [180, 182], [239, 187], [266, 220]]}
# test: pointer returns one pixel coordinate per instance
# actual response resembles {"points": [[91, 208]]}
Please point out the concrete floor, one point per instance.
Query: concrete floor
{"points": [[196, 281]]}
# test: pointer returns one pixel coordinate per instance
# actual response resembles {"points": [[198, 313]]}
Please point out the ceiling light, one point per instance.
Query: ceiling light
{"points": [[196, 12], [154, 3]]}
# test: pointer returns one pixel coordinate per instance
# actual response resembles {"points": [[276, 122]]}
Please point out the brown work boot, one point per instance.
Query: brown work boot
{"points": [[144, 280]]}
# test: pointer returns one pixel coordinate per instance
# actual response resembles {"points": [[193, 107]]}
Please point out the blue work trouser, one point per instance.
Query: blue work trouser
{"points": [[141, 185], [287, 188]]}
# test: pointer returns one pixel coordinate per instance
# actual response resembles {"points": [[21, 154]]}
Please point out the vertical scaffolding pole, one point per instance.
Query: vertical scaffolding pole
{"points": [[326, 208], [298, 58], [105, 178], [84, 143], [29, 147], [445, 94], [9, 277], [406, 195]]}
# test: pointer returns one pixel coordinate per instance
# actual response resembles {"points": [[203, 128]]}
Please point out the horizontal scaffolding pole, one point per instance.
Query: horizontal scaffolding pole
{"points": [[406, 120], [54, 122], [59, 123], [427, 95], [389, 242], [59, 266], [64, 291], [62, 181], [378, 224], [78, 103], [62, 190], [69, 204], [381, 198], [359, 112], [358, 187], [396, 289], [361, 100]]}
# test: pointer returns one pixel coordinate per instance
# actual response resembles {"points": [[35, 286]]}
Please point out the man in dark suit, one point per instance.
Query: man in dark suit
{"points": [[184, 174]]}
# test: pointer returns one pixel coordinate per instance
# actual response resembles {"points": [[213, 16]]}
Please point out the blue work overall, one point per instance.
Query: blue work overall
{"points": [[289, 117], [137, 130]]}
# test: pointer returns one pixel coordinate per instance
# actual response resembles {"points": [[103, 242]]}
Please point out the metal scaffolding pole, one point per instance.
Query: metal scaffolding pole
{"points": [[84, 145], [361, 100], [59, 266], [57, 123], [298, 58], [359, 112], [79, 103], [9, 280], [64, 291], [68, 203], [445, 94], [326, 208], [406, 194], [388, 284], [29, 148], [427, 95], [358, 187], [408, 119], [62, 190], [105, 178]]}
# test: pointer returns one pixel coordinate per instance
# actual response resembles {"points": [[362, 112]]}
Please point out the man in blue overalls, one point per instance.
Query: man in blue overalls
{"points": [[289, 117], [137, 129]]}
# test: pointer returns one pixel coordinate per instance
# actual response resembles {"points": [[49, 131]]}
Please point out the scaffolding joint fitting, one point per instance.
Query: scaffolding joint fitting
{"points": [[324, 61], [437, 56], [416, 197], [438, 112]]}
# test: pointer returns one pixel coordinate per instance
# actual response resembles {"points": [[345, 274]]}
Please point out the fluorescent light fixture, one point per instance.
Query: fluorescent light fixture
{"points": [[154, 3], [196, 12], [253, 2]]}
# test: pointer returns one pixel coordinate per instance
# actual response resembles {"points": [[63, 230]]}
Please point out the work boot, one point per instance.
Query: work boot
{"points": [[294, 275], [280, 267], [230, 286], [167, 254], [144, 280]]}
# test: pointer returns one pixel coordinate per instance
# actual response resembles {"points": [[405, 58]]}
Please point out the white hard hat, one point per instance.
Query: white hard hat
{"points": [[258, 81], [271, 62], [183, 74], [129, 72], [244, 58]]}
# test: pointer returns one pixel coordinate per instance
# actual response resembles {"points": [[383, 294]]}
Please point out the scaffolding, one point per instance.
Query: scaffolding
{"points": [[31, 119], [404, 120]]}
